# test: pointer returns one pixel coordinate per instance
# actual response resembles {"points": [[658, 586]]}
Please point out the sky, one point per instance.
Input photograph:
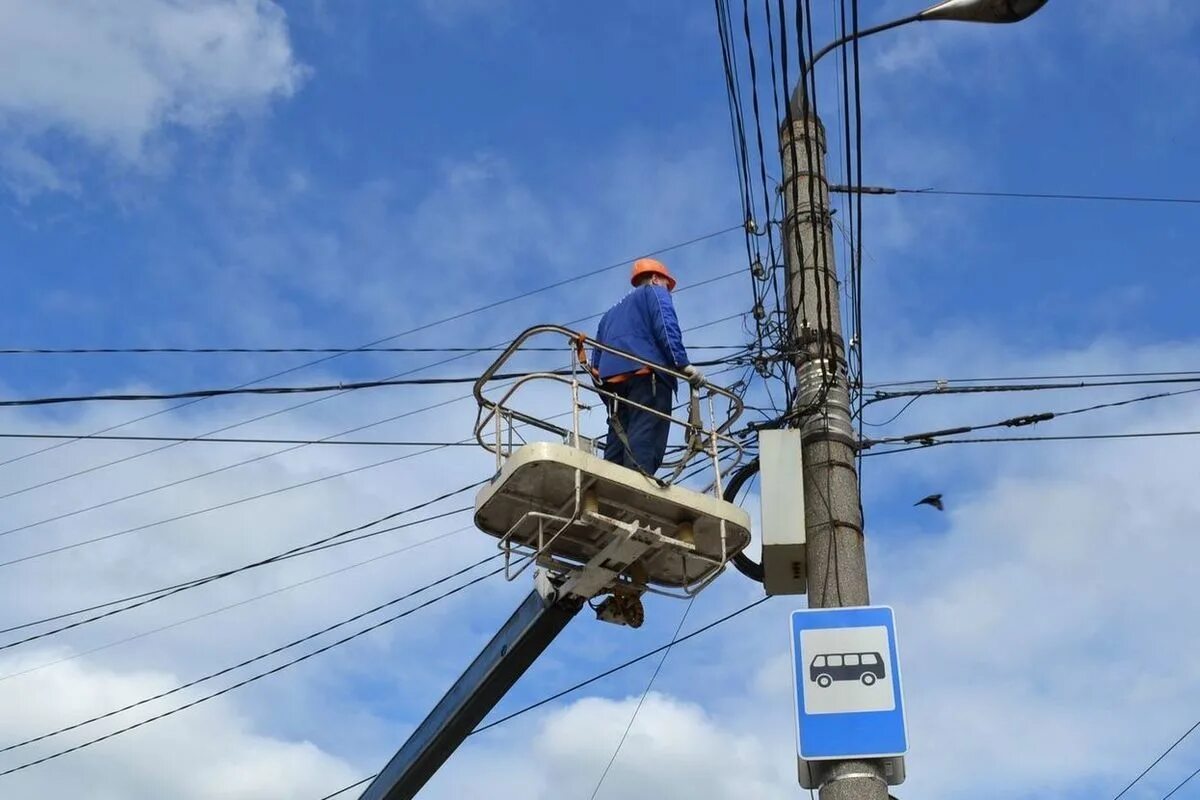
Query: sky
{"points": [[328, 173]]}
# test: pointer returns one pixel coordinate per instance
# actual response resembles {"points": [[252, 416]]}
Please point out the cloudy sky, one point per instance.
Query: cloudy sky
{"points": [[327, 173]]}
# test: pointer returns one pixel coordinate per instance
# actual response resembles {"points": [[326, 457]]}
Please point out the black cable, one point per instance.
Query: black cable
{"points": [[222, 440], [50, 351], [744, 564], [1019, 421], [348, 386], [1078, 376], [642, 700], [294, 643], [1082, 437], [324, 542], [311, 402], [345, 789], [612, 670], [1181, 784], [1054, 196], [252, 678], [1156, 761], [239, 501], [76, 654], [422, 327], [879, 397], [619, 667]]}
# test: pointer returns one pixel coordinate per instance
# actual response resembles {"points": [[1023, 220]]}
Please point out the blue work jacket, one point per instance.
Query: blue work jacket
{"points": [[643, 323]]}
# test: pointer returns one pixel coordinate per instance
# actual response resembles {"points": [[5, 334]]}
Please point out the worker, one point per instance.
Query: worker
{"points": [[642, 323]]}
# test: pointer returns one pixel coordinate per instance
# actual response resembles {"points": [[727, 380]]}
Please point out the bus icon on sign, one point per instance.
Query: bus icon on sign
{"points": [[829, 667]]}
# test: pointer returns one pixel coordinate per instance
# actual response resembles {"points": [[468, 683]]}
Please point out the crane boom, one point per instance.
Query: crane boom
{"points": [[526, 634]]}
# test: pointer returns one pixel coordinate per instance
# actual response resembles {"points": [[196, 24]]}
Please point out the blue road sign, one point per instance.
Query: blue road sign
{"points": [[847, 679]]}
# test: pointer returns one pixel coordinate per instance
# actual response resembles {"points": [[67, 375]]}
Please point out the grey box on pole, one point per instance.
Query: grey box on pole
{"points": [[784, 549]]}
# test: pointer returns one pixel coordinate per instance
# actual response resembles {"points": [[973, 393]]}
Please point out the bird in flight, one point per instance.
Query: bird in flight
{"points": [[934, 500]]}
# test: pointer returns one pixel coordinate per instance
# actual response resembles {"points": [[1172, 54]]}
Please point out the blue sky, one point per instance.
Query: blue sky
{"points": [[316, 173]]}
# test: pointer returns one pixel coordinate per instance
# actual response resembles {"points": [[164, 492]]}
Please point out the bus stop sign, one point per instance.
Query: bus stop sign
{"points": [[847, 680]]}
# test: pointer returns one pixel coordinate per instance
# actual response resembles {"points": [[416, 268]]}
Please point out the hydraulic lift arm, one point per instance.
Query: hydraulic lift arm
{"points": [[528, 632]]}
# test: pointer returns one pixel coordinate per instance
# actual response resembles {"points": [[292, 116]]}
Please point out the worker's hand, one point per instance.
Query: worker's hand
{"points": [[694, 376]]}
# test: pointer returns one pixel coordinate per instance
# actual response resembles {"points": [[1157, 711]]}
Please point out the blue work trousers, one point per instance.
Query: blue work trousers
{"points": [[645, 435]]}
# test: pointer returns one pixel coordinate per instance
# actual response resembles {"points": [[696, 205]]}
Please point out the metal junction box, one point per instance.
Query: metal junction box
{"points": [[781, 478]]}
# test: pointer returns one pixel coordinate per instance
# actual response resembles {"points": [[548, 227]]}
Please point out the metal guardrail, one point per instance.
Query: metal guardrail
{"points": [[497, 415]]}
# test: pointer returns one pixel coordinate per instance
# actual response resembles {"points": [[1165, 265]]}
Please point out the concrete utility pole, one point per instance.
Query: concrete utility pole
{"points": [[836, 557], [837, 566]]}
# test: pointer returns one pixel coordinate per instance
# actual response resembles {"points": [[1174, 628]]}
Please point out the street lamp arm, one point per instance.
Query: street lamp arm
{"points": [[800, 93], [992, 11]]}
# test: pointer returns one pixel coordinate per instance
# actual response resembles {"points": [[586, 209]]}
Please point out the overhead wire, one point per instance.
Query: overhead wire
{"points": [[416, 329], [355, 533], [253, 459], [1157, 761], [246, 681], [307, 403], [240, 603], [1080, 437], [641, 700], [255, 659], [593, 679], [1023, 420]]}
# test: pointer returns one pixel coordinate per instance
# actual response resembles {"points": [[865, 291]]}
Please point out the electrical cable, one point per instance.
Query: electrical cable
{"points": [[416, 329], [880, 397], [238, 604], [1083, 437], [1195, 373], [231, 440], [1018, 422], [251, 679], [589, 681], [311, 402], [1050, 196], [1156, 761], [243, 462], [344, 536], [51, 351], [255, 659], [649, 684]]}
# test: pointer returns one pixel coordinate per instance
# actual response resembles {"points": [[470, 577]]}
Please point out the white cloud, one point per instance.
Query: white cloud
{"points": [[114, 75], [213, 751]]}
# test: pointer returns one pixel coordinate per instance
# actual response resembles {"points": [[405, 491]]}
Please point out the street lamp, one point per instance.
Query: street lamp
{"points": [[991, 11], [835, 553]]}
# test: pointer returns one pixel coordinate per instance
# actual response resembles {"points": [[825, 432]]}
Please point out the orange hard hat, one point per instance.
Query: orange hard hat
{"points": [[650, 266]]}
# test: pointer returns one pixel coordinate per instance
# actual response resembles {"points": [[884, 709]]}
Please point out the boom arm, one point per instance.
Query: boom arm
{"points": [[528, 632]]}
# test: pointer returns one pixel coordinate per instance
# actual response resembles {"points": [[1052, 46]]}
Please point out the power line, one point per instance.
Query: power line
{"points": [[355, 443], [251, 679], [1017, 422], [255, 659], [341, 387], [621, 666], [238, 604], [571, 689], [1156, 761], [1083, 437], [227, 467], [1109, 198], [52, 351], [409, 331], [198, 512], [935, 382], [304, 404], [880, 397], [345, 536], [645, 693], [349, 386]]}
